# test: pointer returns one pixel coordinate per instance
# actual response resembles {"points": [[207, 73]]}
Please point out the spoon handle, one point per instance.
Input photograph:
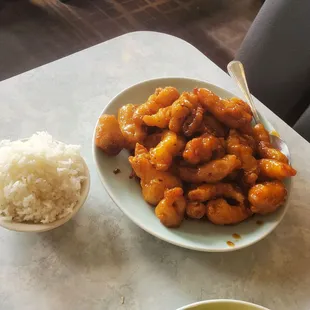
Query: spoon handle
{"points": [[236, 71]]}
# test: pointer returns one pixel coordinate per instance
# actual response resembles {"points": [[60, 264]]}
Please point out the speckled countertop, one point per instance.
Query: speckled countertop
{"points": [[100, 259]]}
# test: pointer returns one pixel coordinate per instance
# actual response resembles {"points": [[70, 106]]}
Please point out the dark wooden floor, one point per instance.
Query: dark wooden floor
{"points": [[32, 35]]}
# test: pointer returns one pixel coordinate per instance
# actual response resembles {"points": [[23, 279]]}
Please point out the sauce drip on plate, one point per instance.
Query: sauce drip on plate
{"points": [[274, 133], [229, 243], [236, 236], [116, 171]]}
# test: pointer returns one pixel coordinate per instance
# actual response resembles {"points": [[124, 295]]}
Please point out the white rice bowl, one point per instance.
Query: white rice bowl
{"points": [[40, 179]]}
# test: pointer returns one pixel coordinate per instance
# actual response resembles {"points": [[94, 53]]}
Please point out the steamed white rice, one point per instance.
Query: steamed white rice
{"points": [[40, 179]]}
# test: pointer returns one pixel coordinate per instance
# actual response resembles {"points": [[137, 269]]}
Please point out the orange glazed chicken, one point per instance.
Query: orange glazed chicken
{"points": [[197, 156]]}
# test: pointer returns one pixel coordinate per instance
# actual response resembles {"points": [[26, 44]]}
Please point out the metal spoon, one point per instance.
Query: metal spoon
{"points": [[236, 71]]}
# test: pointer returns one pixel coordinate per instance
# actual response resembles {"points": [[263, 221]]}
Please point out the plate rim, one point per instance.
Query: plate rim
{"points": [[144, 227], [228, 301]]}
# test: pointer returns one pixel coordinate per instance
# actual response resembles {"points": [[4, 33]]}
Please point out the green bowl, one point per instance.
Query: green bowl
{"points": [[222, 304]]}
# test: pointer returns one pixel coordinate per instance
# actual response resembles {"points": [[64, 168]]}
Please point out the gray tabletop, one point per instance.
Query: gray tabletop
{"points": [[100, 259]]}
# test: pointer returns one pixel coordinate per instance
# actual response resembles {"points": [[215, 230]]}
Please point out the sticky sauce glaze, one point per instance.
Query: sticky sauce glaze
{"points": [[274, 133], [229, 243], [236, 236]]}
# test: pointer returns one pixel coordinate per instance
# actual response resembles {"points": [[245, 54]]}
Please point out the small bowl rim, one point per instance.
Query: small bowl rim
{"points": [[41, 227], [151, 231], [223, 301]]}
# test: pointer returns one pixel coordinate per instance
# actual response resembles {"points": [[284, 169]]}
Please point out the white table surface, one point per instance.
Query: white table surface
{"points": [[101, 256]]}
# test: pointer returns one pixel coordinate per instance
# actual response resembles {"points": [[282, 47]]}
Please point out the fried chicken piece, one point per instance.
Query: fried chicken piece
{"points": [[246, 129], [172, 116], [153, 182], [260, 134], [238, 145], [273, 169], [108, 135], [170, 210], [193, 123], [211, 172], [192, 98], [132, 131], [195, 210], [220, 212], [140, 150], [250, 141], [207, 192], [170, 146], [212, 126], [180, 110], [267, 197], [160, 99], [202, 149], [242, 104], [160, 119], [228, 112], [265, 148]]}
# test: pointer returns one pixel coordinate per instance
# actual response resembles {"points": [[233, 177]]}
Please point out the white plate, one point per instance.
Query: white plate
{"points": [[126, 192], [222, 304]]}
